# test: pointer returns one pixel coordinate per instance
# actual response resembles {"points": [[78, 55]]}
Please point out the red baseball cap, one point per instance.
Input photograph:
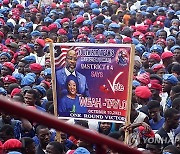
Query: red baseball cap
{"points": [[35, 67], [12, 144], [61, 32], [41, 42], [9, 65], [143, 92], [9, 79], [154, 56], [166, 54]]}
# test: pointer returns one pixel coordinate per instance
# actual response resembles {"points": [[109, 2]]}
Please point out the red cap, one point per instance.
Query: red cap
{"points": [[35, 67], [44, 29], [65, 20], [53, 5], [143, 92], [41, 42], [15, 91], [26, 46], [113, 41], [9, 65], [15, 17], [158, 23], [19, 6], [1, 34], [137, 33], [79, 20], [82, 36], [10, 79], [8, 41], [85, 28], [2, 21], [166, 54], [61, 32], [161, 18], [143, 132], [5, 1], [47, 83], [161, 40], [155, 85], [150, 34], [144, 78], [8, 51], [158, 67], [53, 26], [34, 10], [66, 1], [100, 37], [155, 56], [142, 29], [127, 40], [12, 144], [147, 22]]}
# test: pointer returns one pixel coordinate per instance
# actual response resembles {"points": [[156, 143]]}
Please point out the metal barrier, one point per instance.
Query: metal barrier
{"points": [[102, 142]]}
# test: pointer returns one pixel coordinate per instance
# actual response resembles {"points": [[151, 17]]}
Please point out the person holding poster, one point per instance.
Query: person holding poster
{"points": [[70, 102]]}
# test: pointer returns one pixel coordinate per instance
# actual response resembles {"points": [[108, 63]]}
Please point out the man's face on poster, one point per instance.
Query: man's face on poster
{"points": [[71, 60]]}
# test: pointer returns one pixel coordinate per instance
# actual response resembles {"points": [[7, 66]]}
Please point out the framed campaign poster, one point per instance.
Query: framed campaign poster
{"points": [[92, 81]]}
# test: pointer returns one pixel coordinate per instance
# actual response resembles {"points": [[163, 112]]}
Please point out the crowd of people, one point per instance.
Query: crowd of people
{"points": [[26, 27]]}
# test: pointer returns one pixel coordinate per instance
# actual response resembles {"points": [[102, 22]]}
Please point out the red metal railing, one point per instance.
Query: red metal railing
{"points": [[102, 142]]}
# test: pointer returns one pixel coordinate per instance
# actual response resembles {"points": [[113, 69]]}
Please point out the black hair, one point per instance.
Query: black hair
{"points": [[51, 109], [176, 102], [157, 77], [153, 104], [169, 113], [83, 123], [48, 104], [49, 94], [115, 135], [176, 89], [26, 141], [21, 98], [33, 92], [59, 147], [8, 129], [12, 86], [172, 149], [176, 68], [40, 127], [155, 141]]}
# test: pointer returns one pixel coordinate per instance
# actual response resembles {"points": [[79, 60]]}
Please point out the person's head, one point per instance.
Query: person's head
{"points": [[43, 134], [117, 135], [71, 60], [169, 80], [171, 149], [72, 84], [18, 98], [55, 148], [6, 132], [177, 141], [154, 109], [174, 90], [30, 97], [171, 118], [176, 103], [154, 145], [21, 66], [7, 69], [28, 145], [105, 127]]}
